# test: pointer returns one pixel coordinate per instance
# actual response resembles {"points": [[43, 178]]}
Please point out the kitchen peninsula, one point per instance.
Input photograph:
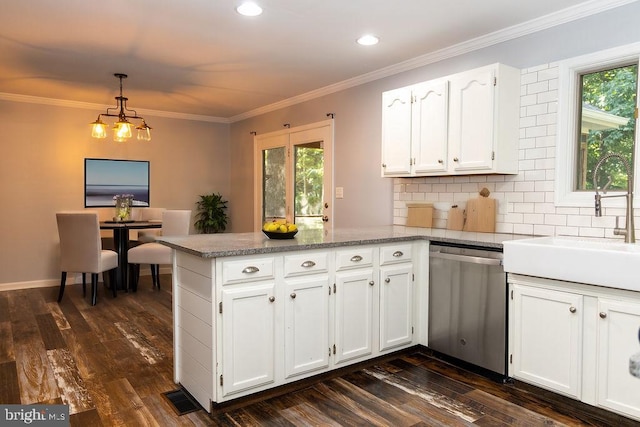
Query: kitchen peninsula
{"points": [[252, 313]]}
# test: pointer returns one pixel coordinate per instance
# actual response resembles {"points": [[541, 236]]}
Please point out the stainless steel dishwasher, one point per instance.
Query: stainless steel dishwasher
{"points": [[468, 305]]}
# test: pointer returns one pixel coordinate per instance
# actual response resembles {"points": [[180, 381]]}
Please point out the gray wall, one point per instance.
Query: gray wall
{"points": [[368, 198]]}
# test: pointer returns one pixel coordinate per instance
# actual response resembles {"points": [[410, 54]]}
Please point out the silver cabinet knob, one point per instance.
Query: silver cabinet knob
{"points": [[293, 295], [371, 283], [387, 280], [272, 299], [356, 258], [455, 159], [572, 309], [307, 264], [251, 269], [440, 161], [398, 254], [603, 315]]}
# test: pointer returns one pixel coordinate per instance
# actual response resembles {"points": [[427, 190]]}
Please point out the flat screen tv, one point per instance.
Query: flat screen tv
{"points": [[104, 178]]}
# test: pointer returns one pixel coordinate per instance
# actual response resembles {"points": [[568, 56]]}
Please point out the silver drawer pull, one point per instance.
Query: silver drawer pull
{"points": [[251, 269], [398, 254], [307, 264], [356, 258]]}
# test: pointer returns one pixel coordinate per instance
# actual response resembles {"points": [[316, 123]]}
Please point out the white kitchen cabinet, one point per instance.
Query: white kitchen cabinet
{"points": [[396, 132], [306, 313], [396, 296], [396, 302], [547, 338], [473, 129], [618, 324], [245, 324], [354, 296], [414, 129], [248, 318], [576, 339]]}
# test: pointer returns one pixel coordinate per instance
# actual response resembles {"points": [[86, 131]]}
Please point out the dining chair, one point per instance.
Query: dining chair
{"points": [[81, 251], [174, 223]]}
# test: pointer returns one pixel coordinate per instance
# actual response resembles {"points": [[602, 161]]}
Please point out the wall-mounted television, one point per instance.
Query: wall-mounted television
{"points": [[104, 178]]}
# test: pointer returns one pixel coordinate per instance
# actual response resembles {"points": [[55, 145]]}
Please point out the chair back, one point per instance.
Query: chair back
{"points": [[176, 222], [80, 244], [150, 214]]}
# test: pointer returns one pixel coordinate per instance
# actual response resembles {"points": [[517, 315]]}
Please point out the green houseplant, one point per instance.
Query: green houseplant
{"points": [[211, 215]]}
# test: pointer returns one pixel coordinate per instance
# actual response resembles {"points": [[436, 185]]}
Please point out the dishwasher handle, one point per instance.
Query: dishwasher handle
{"points": [[466, 258]]}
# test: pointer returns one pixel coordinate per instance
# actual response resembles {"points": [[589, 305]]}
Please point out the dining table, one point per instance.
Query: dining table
{"points": [[121, 243]]}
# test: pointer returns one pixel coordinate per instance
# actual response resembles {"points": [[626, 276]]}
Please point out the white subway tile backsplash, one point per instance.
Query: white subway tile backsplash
{"points": [[523, 228]]}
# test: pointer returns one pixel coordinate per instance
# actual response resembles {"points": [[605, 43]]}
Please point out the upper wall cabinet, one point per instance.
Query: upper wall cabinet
{"points": [[466, 123]]}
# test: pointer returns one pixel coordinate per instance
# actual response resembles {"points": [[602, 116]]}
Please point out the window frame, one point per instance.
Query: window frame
{"points": [[568, 123]]}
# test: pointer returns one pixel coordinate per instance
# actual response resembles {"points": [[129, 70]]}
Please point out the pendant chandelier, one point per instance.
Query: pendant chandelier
{"points": [[122, 128]]}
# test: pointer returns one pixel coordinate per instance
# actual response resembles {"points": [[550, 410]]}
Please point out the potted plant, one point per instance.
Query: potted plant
{"points": [[210, 214]]}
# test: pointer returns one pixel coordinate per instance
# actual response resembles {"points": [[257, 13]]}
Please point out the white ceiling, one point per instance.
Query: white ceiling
{"points": [[201, 57]]}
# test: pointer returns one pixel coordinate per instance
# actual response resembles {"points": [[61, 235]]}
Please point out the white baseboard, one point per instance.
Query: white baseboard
{"points": [[71, 279]]}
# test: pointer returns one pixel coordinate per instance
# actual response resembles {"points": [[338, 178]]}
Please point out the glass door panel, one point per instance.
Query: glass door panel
{"points": [[309, 188], [274, 195]]}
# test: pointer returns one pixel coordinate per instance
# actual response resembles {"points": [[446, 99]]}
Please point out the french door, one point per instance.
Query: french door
{"points": [[293, 170]]}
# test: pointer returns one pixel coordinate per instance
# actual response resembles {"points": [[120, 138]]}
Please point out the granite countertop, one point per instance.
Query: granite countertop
{"points": [[238, 244]]}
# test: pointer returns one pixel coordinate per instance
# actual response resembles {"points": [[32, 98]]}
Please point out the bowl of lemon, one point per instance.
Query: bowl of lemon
{"points": [[279, 230]]}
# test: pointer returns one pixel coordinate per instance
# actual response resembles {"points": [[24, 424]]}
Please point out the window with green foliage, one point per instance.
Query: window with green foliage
{"points": [[597, 116], [607, 125]]}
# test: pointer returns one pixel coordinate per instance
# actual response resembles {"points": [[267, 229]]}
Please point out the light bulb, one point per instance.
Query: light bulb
{"points": [[122, 131], [98, 129]]}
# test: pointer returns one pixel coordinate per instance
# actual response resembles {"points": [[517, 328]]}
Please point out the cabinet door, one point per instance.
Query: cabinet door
{"points": [[396, 302], [354, 298], [306, 319], [429, 117], [396, 132], [618, 328], [547, 334], [471, 120], [248, 336]]}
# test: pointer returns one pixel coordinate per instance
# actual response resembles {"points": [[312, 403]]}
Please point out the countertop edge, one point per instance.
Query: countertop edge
{"points": [[242, 244]]}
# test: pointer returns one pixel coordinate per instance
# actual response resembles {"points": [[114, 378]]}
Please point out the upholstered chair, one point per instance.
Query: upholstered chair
{"points": [[174, 223], [81, 251]]}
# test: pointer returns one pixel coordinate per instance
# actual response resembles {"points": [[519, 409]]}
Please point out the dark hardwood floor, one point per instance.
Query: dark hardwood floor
{"points": [[111, 363]]}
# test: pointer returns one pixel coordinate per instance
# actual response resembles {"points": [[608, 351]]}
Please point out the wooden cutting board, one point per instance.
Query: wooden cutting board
{"points": [[455, 218], [481, 215]]}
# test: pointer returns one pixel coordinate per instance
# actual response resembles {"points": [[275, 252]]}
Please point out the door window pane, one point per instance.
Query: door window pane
{"points": [[273, 184], [309, 179], [607, 125]]}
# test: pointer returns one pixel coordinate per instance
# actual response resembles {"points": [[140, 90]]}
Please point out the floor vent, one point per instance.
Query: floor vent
{"points": [[181, 401]]}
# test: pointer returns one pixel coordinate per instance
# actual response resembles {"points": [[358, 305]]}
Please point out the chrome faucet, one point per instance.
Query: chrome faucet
{"points": [[628, 231]]}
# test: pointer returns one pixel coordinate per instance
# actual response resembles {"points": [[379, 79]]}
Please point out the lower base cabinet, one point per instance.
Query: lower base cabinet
{"points": [[278, 318], [306, 319], [576, 340], [248, 337]]}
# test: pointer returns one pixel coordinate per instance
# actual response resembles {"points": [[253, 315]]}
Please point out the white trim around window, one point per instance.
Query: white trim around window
{"points": [[566, 143]]}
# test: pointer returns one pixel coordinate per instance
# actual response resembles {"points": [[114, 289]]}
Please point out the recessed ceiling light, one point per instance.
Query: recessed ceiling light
{"points": [[368, 40], [249, 9]]}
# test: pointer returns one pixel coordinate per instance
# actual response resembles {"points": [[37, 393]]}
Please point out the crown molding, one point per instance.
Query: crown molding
{"points": [[98, 107], [544, 22]]}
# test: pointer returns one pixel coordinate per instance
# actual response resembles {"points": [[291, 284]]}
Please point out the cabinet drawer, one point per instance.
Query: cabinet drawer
{"points": [[247, 270], [307, 263], [354, 258], [395, 253]]}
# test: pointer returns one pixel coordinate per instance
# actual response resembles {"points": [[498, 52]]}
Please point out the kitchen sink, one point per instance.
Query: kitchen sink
{"points": [[602, 262]]}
